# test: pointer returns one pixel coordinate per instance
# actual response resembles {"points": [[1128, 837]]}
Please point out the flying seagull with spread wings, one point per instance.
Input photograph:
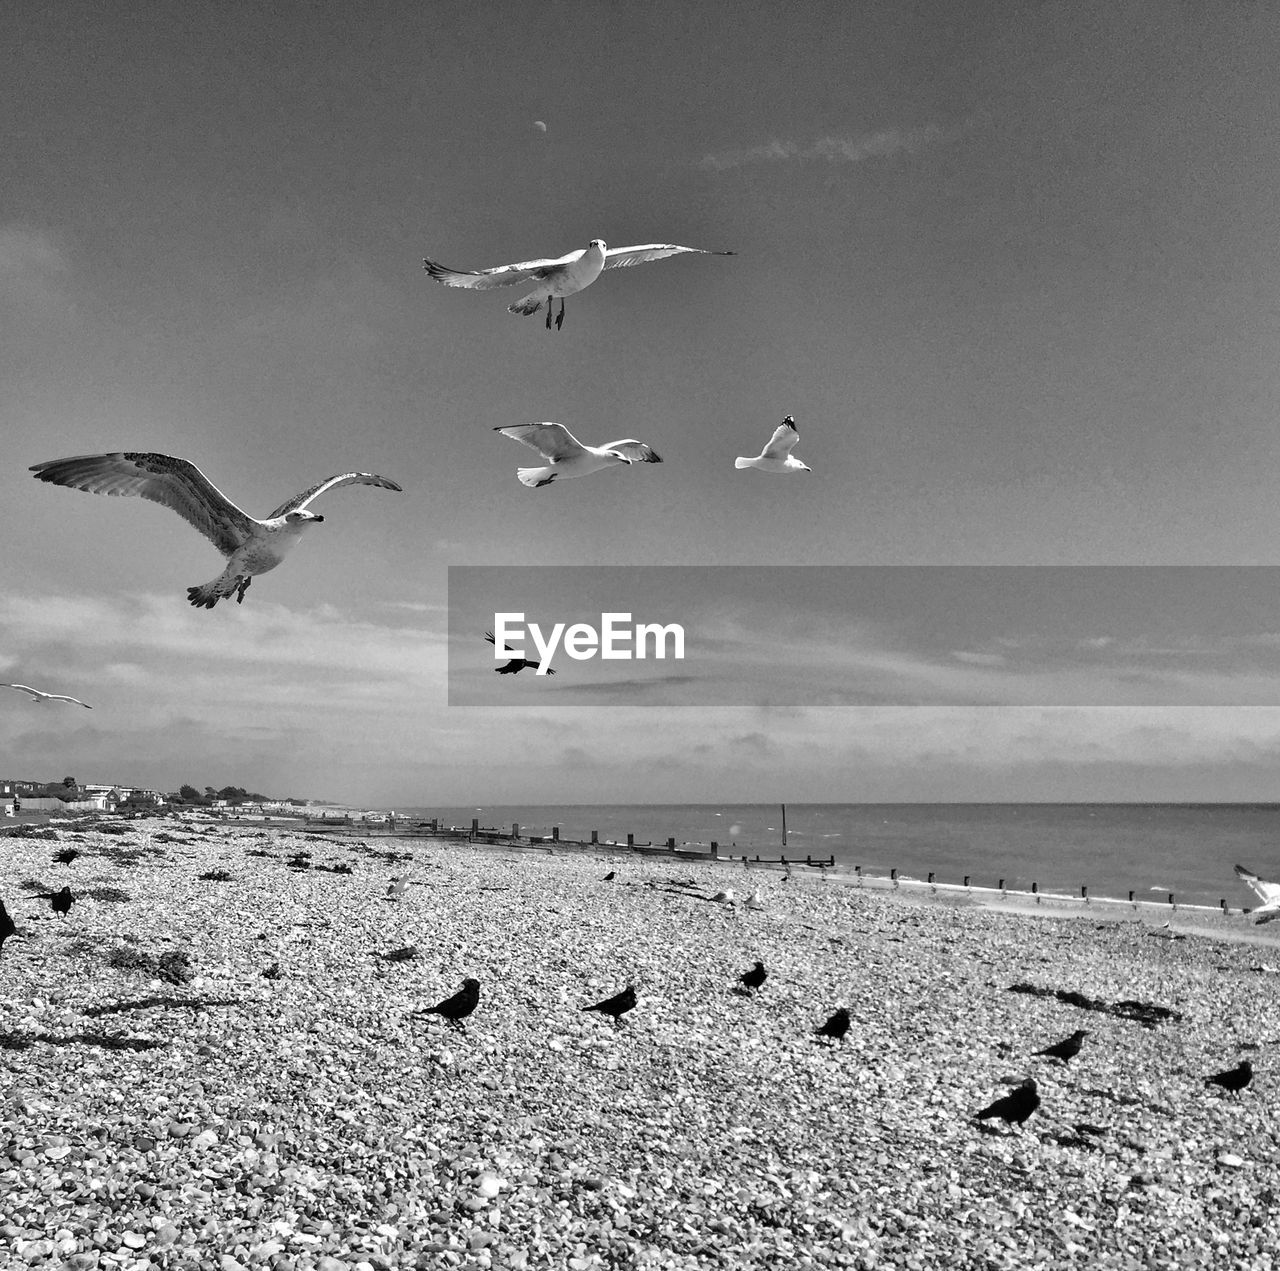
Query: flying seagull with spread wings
{"points": [[38, 696], [566, 456], [1269, 910], [516, 665], [251, 546], [555, 279], [776, 456]]}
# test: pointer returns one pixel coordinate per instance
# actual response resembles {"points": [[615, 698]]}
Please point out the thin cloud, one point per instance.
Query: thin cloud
{"points": [[870, 145]]}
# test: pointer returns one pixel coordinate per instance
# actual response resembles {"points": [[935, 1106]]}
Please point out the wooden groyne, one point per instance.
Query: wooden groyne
{"points": [[497, 836], [501, 837]]}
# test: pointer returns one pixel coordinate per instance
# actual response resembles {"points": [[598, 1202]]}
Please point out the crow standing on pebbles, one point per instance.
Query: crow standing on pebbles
{"points": [[61, 900], [7, 928], [754, 978], [617, 1005], [610, 876], [1068, 1048], [1017, 1106], [836, 1026], [459, 1006], [1234, 1079]]}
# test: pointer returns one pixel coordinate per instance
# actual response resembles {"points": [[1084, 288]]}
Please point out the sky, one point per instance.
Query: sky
{"points": [[1011, 267]]}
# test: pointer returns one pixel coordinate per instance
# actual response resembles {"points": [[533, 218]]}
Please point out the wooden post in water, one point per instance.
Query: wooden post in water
{"points": [[966, 880], [930, 879], [631, 840], [555, 834], [595, 837], [671, 844], [515, 829], [475, 825], [1131, 897], [715, 850]]}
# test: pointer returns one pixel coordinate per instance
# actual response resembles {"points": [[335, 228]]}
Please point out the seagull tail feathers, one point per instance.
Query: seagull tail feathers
{"points": [[534, 477], [529, 305], [204, 597]]}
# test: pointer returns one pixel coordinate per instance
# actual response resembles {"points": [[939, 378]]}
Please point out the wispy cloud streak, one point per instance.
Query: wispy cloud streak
{"points": [[871, 145]]}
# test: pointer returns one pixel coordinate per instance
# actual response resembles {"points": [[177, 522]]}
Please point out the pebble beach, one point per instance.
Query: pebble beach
{"points": [[227, 1071]]}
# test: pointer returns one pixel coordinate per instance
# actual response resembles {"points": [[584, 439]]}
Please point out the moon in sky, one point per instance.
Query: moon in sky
{"points": [[539, 125]]}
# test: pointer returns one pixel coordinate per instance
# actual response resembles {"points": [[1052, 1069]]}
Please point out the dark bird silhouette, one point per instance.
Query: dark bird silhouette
{"points": [[516, 664], [1234, 1079], [7, 928], [1068, 1048], [610, 876], [754, 978], [836, 1026], [61, 900], [1014, 1107], [459, 1006], [617, 1005]]}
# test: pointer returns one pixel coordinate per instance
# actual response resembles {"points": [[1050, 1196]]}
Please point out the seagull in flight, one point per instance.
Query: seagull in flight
{"points": [[1269, 910], [38, 696], [516, 665], [776, 456], [251, 546], [566, 456], [555, 279]]}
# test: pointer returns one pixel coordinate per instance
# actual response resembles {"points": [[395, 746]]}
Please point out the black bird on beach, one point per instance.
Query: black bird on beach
{"points": [[617, 1005], [1014, 1107], [836, 1026], [1234, 1079], [61, 900], [459, 1006], [516, 665], [754, 978], [7, 928], [610, 876], [1068, 1048]]}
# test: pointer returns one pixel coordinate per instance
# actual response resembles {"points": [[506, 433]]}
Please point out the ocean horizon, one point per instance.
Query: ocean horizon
{"points": [[1151, 849]]}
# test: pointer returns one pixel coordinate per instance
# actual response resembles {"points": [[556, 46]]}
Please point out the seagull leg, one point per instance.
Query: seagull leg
{"points": [[560, 315], [549, 308], [242, 585]]}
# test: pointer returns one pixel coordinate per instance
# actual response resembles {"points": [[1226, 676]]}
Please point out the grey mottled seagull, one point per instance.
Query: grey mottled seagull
{"points": [[557, 278], [1269, 910], [776, 456], [566, 456], [38, 696], [251, 546]]}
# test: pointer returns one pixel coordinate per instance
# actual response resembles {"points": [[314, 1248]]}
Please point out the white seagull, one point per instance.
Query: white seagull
{"points": [[776, 456], [560, 277], [251, 546], [566, 456], [1269, 910], [38, 696]]}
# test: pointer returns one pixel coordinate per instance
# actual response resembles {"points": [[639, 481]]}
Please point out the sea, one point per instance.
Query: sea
{"points": [[1151, 849]]}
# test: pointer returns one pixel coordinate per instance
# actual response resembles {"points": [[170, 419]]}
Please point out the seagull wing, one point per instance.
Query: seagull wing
{"points": [[633, 451], [300, 501], [622, 257], [36, 694], [500, 275], [783, 441], [552, 441], [176, 483], [62, 697], [1269, 892]]}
